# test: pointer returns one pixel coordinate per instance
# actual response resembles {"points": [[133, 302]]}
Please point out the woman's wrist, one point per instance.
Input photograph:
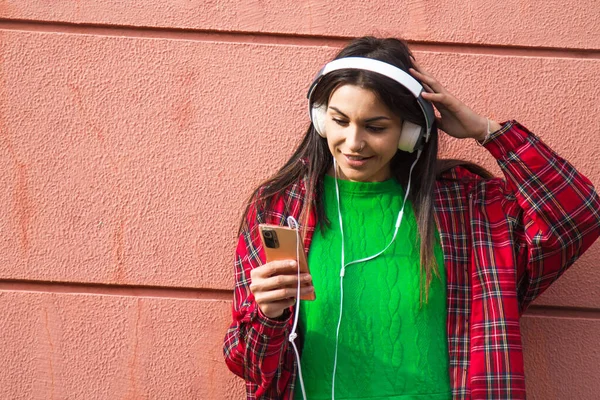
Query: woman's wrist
{"points": [[491, 126]]}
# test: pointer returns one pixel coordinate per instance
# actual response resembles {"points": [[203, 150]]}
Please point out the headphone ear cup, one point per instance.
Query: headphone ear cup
{"points": [[409, 137], [319, 116]]}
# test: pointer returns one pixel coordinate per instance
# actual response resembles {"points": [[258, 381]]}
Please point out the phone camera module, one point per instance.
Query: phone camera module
{"points": [[270, 239]]}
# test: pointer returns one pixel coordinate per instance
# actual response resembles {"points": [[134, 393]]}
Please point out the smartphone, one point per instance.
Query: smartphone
{"points": [[282, 243]]}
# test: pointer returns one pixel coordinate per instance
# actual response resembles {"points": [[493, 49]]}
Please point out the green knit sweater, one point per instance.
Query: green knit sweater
{"points": [[389, 346]]}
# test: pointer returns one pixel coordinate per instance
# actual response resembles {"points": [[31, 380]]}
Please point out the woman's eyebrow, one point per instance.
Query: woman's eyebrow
{"points": [[366, 121]]}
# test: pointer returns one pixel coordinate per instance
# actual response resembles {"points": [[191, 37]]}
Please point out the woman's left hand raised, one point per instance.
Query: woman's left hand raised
{"points": [[457, 119]]}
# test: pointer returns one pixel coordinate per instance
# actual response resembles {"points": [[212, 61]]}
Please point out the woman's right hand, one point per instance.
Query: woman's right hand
{"points": [[275, 284]]}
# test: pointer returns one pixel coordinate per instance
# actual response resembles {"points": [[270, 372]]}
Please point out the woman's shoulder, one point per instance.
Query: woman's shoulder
{"points": [[273, 200], [459, 176], [282, 190], [460, 172]]}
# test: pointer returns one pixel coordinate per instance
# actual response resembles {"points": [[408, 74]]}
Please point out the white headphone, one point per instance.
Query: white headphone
{"points": [[413, 136]]}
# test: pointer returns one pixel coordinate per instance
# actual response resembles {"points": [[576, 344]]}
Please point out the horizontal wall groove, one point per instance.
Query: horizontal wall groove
{"points": [[9, 285], [285, 39], [562, 312]]}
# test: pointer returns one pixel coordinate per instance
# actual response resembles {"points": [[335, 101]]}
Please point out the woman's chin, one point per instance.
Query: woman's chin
{"points": [[357, 176], [363, 174]]}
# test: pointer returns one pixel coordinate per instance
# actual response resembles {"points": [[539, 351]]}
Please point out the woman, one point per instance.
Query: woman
{"points": [[459, 254]]}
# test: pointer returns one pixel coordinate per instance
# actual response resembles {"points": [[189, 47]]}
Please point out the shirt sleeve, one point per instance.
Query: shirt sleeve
{"points": [[255, 346], [558, 208]]}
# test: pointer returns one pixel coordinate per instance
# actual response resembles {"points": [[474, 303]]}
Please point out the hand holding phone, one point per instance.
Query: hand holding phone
{"points": [[274, 284]]}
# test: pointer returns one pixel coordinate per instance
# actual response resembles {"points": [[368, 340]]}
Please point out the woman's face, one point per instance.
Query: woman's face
{"points": [[362, 134]]}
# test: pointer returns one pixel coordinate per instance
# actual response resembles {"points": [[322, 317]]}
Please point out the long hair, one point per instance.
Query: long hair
{"points": [[312, 159]]}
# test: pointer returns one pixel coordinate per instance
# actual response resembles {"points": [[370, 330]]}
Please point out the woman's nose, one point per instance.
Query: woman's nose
{"points": [[354, 139]]}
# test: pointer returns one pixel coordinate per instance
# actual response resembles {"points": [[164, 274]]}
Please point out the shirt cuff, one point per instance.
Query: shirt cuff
{"points": [[506, 139], [271, 327]]}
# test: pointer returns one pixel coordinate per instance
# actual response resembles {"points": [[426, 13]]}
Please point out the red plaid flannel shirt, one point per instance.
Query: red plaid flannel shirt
{"points": [[504, 242]]}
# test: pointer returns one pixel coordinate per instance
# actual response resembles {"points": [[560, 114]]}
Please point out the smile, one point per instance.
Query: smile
{"points": [[356, 161]]}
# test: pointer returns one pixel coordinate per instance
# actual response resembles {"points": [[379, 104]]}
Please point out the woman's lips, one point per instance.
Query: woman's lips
{"points": [[356, 161]]}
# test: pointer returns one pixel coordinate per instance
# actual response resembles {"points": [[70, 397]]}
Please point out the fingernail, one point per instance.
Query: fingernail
{"points": [[292, 263]]}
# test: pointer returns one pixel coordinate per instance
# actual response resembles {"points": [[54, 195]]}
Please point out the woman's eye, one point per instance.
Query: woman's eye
{"points": [[375, 129], [340, 122]]}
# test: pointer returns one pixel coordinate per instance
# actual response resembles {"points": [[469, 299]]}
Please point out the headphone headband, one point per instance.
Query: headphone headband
{"points": [[370, 64], [385, 69]]}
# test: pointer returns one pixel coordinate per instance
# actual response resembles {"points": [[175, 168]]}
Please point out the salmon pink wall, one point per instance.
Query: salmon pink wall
{"points": [[131, 131]]}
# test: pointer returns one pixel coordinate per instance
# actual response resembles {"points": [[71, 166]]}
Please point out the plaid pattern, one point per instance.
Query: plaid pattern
{"points": [[504, 241]]}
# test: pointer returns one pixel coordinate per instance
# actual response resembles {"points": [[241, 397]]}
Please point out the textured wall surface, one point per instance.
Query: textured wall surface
{"points": [[131, 132]]}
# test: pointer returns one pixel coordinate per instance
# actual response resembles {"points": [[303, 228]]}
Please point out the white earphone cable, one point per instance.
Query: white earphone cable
{"points": [[344, 265], [292, 223]]}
